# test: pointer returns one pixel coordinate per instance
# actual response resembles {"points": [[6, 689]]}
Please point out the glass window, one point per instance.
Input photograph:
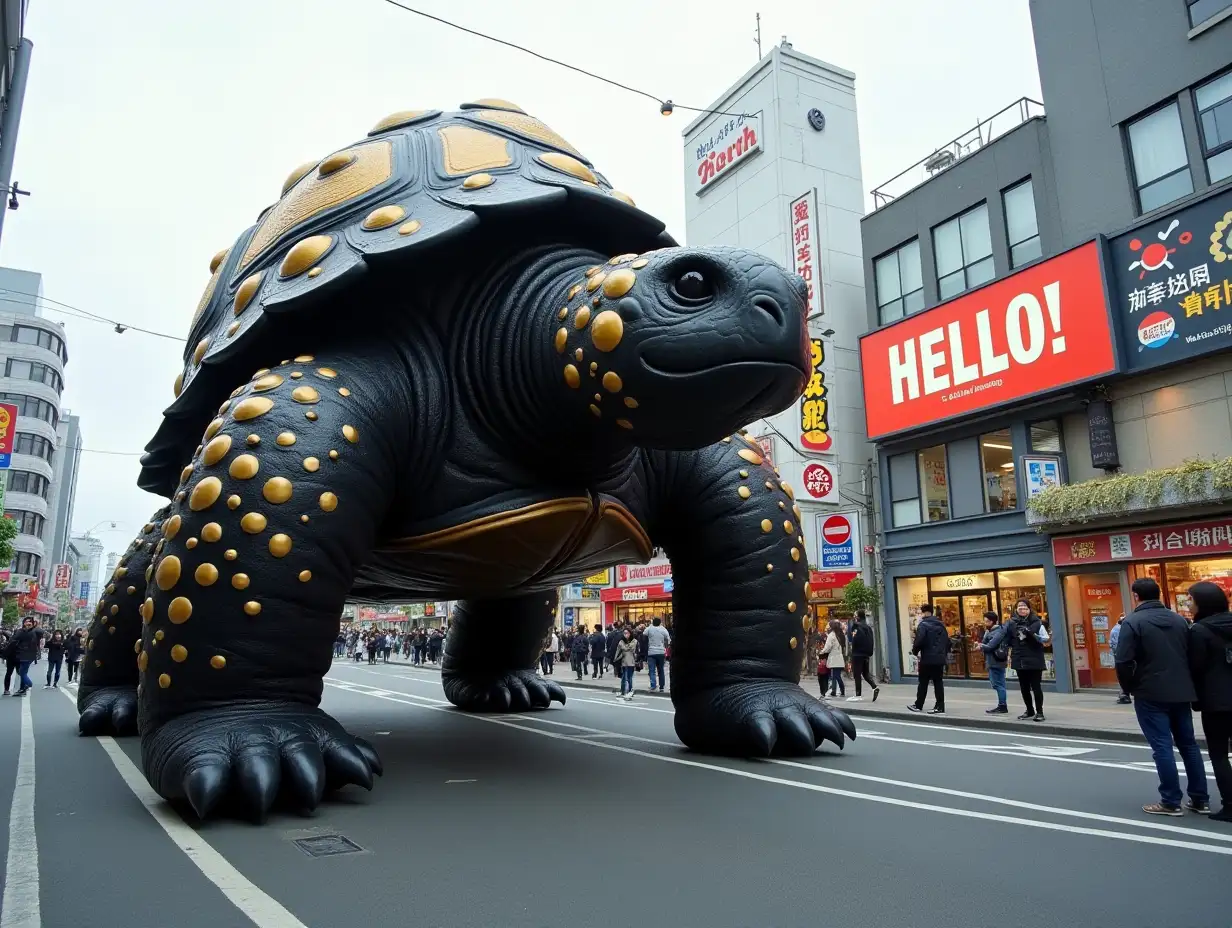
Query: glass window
{"points": [[6, 333], [27, 335], [997, 463], [1202, 10], [1214, 102], [906, 512], [1021, 226], [19, 369], [963, 248], [904, 489], [1046, 436], [1161, 165], [26, 563], [900, 283], [912, 594], [934, 489]]}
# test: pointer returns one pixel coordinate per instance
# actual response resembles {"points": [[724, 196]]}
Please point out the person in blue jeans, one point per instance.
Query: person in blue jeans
{"points": [[625, 660], [657, 640], [25, 648], [996, 653], [1152, 664]]}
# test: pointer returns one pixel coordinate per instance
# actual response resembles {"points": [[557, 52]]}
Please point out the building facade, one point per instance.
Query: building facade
{"points": [[87, 578], [33, 355], [64, 488], [1043, 303]]}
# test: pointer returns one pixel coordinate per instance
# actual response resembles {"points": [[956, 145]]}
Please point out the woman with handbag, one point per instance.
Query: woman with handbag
{"points": [[835, 657], [624, 659], [1026, 636]]}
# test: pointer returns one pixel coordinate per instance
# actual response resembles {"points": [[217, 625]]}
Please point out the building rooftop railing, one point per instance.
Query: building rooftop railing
{"points": [[951, 153]]}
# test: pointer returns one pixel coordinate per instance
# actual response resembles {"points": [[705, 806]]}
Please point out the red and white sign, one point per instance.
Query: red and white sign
{"points": [[634, 594], [657, 570], [805, 252], [729, 143], [818, 480], [64, 577], [1040, 329], [767, 447], [1180, 539], [836, 530], [828, 584]]}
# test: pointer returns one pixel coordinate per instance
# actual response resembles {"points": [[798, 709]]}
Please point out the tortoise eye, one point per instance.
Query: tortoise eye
{"points": [[692, 287]]}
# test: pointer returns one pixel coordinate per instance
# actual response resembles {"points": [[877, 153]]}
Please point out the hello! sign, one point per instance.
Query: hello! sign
{"points": [[1043, 328]]}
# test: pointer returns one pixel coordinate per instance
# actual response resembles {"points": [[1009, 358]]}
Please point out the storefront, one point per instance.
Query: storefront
{"points": [[581, 603], [642, 592], [1097, 570]]}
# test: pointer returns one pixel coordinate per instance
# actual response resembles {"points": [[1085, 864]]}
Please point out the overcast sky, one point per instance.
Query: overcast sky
{"points": [[155, 130]]}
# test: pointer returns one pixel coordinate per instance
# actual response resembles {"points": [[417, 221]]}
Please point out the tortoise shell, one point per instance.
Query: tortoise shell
{"points": [[422, 179]]}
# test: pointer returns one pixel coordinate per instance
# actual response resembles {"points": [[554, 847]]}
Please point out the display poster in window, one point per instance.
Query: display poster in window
{"points": [[815, 404], [805, 248], [1040, 472], [1034, 332], [8, 433], [1172, 285]]}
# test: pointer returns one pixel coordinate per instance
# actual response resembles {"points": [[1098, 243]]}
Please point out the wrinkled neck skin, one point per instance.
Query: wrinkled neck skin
{"points": [[511, 374]]}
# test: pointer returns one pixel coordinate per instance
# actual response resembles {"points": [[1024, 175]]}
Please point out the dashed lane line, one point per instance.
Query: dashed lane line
{"points": [[436, 706], [262, 909], [20, 905]]}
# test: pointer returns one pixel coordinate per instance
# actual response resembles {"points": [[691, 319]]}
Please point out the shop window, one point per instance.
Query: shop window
{"points": [[1093, 606], [997, 463], [1214, 102], [26, 563], [934, 488], [1161, 165], [900, 284], [1202, 10], [963, 249], [1046, 436], [912, 593], [1021, 226], [904, 490]]}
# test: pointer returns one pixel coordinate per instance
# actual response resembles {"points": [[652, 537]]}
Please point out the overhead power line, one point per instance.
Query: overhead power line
{"points": [[76, 312]]}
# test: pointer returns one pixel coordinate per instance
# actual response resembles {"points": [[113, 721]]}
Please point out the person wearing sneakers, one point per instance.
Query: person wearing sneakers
{"points": [[996, 653], [657, 640], [861, 653], [1210, 665], [1152, 663], [932, 646], [624, 660], [1022, 632]]}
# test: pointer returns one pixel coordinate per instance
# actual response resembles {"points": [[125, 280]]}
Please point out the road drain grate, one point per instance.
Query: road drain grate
{"points": [[327, 846]]}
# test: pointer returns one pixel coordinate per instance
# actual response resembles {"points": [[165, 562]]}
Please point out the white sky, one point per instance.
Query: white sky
{"points": [[155, 130]]}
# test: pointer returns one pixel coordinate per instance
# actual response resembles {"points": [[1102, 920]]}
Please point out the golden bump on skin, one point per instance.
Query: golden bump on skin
{"points": [[252, 607], [769, 568], [328, 502], [252, 407], [573, 291], [478, 181], [312, 465], [230, 554], [639, 263], [624, 423], [305, 394], [790, 575], [211, 532], [744, 492], [304, 518], [383, 217], [179, 653], [618, 283], [115, 610], [164, 680], [212, 429], [769, 485], [343, 391], [327, 372], [333, 455], [244, 467], [222, 410], [630, 402], [594, 366], [410, 228], [792, 643], [304, 358], [143, 661], [583, 317], [612, 382], [350, 434], [296, 375], [233, 502], [253, 523], [206, 574], [795, 554], [179, 610], [305, 576], [240, 581], [147, 610], [167, 574], [594, 282], [593, 270], [782, 506], [564, 312], [562, 339], [215, 451], [788, 527], [607, 330], [578, 354], [750, 455], [268, 382], [218, 662], [280, 545], [595, 411], [786, 487], [766, 525], [791, 607], [199, 351], [285, 439], [131, 590], [253, 440], [277, 490], [190, 544], [247, 290]]}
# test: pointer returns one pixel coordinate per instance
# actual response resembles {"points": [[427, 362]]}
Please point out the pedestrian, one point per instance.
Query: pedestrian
{"points": [[823, 671], [996, 652], [387, 646], [611, 639], [9, 653], [931, 647], [55, 659], [835, 659], [435, 640], [25, 646], [862, 646], [74, 650], [548, 658], [1210, 665], [1123, 698], [657, 640], [1152, 663], [578, 651], [598, 653], [625, 660], [1026, 636]]}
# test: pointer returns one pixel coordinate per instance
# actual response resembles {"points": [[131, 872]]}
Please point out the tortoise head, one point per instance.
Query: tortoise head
{"points": [[682, 346]]}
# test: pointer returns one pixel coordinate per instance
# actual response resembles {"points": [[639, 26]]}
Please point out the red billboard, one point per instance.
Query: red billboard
{"points": [[1179, 539], [1040, 329], [8, 431]]}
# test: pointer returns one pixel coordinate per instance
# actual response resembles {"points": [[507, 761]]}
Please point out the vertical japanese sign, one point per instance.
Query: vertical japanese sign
{"points": [[1172, 284], [805, 253], [8, 432], [815, 404], [64, 577]]}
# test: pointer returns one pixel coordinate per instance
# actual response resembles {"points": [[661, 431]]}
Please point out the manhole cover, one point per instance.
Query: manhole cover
{"points": [[327, 846]]}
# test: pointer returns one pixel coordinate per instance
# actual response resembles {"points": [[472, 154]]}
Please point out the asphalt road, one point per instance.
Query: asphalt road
{"points": [[594, 815]]}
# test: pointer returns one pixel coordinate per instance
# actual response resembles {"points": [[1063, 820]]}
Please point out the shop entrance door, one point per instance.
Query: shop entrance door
{"points": [[963, 618], [1093, 606]]}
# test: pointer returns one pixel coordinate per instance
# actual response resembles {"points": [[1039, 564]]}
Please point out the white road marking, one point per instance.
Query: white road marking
{"points": [[462, 781], [20, 906], [262, 909], [434, 705]]}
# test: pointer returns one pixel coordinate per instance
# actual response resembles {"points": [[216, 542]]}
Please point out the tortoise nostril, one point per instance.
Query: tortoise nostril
{"points": [[770, 307]]}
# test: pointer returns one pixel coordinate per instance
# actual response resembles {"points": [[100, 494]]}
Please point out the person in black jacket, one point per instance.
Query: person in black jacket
{"points": [[612, 639], [55, 658], [1022, 634], [861, 654], [25, 648], [931, 646], [578, 650], [1210, 665], [598, 652], [1152, 663], [74, 649]]}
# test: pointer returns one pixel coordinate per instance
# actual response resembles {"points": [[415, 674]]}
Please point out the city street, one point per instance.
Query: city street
{"points": [[594, 815]]}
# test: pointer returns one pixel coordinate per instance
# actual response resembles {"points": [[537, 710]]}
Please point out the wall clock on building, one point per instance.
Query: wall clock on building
{"points": [[817, 119]]}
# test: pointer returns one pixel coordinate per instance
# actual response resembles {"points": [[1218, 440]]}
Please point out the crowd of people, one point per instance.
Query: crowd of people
{"points": [[625, 649], [420, 645], [29, 644]]}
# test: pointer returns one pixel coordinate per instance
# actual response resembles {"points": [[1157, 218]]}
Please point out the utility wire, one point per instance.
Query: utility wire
{"points": [[67, 309], [557, 62]]}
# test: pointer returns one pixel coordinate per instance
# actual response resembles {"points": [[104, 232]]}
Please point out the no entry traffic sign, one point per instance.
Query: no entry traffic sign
{"points": [[837, 534]]}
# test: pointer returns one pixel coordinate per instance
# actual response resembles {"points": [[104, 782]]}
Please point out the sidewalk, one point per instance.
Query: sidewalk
{"points": [[1087, 714]]}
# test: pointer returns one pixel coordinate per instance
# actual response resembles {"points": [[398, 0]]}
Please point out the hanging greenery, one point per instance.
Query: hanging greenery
{"points": [[1192, 481]]}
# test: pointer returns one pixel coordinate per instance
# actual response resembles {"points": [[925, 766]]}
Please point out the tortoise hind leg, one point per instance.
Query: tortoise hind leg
{"points": [[107, 689], [492, 650], [276, 513]]}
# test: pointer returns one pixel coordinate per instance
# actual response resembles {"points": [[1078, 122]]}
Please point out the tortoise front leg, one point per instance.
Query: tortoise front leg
{"points": [[107, 690], [731, 528]]}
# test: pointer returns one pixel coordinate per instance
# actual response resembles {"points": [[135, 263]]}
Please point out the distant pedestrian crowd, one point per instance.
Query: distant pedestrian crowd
{"points": [[29, 644], [420, 645]]}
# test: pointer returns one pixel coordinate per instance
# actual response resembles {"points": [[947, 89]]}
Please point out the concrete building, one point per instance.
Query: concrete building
{"points": [[64, 488], [775, 167], [1045, 297], [90, 567], [33, 354], [15, 51]]}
